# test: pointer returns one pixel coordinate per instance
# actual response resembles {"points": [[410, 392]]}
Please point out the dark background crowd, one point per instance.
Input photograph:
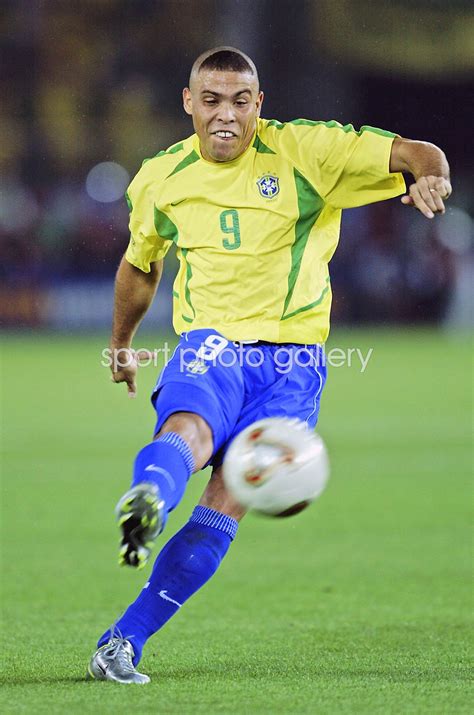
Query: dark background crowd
{"points": [[90, 88]]}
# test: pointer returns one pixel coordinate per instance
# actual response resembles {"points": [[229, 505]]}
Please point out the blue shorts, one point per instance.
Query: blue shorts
{"points": [[231, 385]]}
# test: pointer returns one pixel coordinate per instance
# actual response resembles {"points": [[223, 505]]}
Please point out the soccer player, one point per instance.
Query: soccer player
{"points": [[254, 209]]}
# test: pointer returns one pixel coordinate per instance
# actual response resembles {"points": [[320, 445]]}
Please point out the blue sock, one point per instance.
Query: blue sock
{"points": [[168, 462], [185, 563]]}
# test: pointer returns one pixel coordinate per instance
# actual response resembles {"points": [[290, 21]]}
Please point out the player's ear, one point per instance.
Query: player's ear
{"points": [[259, 102], [187, 101]]}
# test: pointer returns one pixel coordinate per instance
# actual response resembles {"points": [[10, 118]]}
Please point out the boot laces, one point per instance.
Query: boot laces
{"points": [[120, 650]]}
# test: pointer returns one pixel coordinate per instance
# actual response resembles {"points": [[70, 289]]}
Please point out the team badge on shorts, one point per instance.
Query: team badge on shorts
{"points": [[268, 186], [197, 367]]}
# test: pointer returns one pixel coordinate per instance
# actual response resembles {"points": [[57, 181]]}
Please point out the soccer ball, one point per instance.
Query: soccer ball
{"points": [[276, 466]]}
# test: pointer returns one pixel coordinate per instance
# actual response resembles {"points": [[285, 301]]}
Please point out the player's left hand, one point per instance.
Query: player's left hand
{"points": [[428, 195]]}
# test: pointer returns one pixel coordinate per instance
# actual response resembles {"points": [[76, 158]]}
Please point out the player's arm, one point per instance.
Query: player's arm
{"points": [[430, 169], [134, 292]]}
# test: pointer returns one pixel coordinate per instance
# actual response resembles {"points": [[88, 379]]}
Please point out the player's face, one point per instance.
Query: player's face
{"points": [[224, 107]]}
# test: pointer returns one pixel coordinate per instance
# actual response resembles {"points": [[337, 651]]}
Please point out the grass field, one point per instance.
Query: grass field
{"points": [[359, 605]]}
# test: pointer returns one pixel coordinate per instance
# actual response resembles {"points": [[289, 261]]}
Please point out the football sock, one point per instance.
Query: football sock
{"points": [[168, 462], [186, 562]]}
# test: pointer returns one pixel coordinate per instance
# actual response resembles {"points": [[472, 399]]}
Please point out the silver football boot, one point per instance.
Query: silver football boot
{"points": [[113, 661], [140, 514]]}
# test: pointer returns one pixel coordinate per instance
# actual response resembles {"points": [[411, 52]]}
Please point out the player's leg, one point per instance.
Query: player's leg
{"points": [[282, 388], [197, 400], [217, 497], [185, 563], [183, 445]]}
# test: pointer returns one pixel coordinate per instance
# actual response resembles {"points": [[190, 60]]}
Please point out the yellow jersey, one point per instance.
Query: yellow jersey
{"points": [[254, 236]]}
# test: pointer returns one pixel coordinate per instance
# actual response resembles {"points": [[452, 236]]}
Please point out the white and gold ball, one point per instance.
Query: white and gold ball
{"points": [[276, 466]]}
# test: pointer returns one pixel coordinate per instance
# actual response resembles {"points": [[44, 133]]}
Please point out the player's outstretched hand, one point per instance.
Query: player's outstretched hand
{"points": [[428, 195], [124, 366]]}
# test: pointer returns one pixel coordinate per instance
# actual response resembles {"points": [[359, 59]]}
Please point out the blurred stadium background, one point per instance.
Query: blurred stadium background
{"points": [[90, 88]]}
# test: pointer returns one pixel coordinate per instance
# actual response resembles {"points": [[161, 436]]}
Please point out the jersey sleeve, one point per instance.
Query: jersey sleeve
{"points": [[146, 246], [348, 168]]}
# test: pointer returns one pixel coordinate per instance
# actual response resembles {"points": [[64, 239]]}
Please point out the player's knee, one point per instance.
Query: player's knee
{"points": [[217, 497], [196, 433]]}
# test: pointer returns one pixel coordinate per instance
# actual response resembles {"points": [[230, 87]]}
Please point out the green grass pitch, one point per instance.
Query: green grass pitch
{"points": [[359, 605]]}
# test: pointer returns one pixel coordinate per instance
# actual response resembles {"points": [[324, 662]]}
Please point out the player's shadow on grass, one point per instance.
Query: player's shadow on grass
{"points": [[18, 681]]}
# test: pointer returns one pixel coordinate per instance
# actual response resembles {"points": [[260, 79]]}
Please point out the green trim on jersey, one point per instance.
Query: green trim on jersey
{"points": [[172, 150], [164, 226], [129, 202], [261, 147], [187, 161], [275, 123], [332, 124], [310, 205], [188, 295], [376, 130], [187, 292], [311, 305]]}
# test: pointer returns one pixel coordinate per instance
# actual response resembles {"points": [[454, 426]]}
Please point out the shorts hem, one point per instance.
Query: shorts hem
{"points": [[204, 406]]}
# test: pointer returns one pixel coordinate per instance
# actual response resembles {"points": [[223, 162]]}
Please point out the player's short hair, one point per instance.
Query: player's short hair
{"points": [[224, 59]]}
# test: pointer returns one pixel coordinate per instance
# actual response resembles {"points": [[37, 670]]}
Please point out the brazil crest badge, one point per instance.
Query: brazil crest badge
{"points": [[268, 186]]}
